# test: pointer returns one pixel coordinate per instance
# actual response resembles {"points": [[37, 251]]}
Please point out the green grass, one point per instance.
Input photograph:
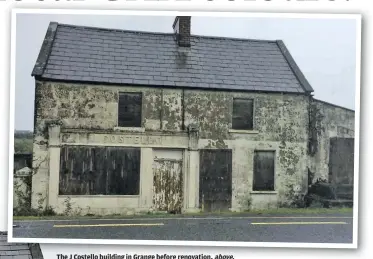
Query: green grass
{"points": [[281, 211]]}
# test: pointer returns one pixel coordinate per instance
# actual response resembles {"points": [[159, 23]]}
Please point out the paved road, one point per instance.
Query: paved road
{"points": [[300, 229]]}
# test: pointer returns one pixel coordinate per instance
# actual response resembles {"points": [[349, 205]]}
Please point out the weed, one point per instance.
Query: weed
{"points": [[68, 206]]}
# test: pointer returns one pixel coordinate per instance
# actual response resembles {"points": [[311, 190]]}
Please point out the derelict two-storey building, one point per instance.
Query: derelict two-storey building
{"points": [[130, 121]]}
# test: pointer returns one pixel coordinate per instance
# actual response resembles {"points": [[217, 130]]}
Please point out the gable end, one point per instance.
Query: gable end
{"points": [[294, 67], [45, 50]]}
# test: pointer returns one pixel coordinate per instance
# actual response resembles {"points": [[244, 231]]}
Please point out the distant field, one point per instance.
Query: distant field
{"points": [[23, 141]]}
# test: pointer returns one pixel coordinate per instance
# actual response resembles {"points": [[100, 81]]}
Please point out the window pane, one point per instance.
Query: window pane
{"points": [[129, 110], [242, 117], [264, 171]]}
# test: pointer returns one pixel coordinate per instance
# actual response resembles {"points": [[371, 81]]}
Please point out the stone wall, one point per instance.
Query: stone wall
{"points": [[21, 189], [328, 121]]}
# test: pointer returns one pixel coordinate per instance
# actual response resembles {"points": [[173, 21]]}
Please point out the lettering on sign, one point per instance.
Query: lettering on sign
{"points": [[68, 138], [140, 140], [344, 131]]}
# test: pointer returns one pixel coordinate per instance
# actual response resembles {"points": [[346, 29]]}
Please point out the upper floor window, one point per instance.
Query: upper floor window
{"points": [[129, 109], [242, 118]]}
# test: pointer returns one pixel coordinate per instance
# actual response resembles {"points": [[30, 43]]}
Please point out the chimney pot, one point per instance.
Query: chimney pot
{"points": [[181, 28]]}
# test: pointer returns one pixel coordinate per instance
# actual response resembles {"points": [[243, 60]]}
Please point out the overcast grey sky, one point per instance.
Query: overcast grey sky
{"points": [[324, 49]]}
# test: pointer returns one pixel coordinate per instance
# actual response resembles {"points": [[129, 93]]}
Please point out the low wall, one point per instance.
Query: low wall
{"points": [[22, 189]]}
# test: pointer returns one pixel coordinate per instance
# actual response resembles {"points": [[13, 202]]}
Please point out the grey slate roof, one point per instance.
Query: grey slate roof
{"points": [[18, 251], [97, 55]]}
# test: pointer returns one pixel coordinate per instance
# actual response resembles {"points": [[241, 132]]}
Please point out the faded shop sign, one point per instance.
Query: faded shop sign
{"points": [[111, 139], [144, 140]]}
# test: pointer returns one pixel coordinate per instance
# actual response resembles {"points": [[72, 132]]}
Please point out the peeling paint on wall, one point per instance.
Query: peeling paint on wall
{"points": [[286, 123], [167, 185]]}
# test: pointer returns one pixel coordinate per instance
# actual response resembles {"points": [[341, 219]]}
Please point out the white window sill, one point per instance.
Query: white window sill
{"points": [[263, 192], [243, 131], [129, 129]]}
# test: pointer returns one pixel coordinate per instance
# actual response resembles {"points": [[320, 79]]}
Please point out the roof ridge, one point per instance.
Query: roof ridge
{"points": [[161, 33], [112, 29]]}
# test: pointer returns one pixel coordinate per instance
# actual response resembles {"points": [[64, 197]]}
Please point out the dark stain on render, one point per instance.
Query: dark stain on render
{"points": [[289, 160], [171, 110], [316, 128], [152, 104], [211, 110]]}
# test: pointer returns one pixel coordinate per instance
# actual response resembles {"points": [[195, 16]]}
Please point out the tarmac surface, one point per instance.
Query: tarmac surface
{"points": [[330, 228]]}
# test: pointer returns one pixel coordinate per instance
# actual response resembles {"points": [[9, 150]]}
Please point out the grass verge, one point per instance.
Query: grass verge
{"points": [[280, 212]]}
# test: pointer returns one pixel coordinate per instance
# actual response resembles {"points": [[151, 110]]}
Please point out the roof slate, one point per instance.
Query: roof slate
{"points": [[87, 54], [18, 250]]}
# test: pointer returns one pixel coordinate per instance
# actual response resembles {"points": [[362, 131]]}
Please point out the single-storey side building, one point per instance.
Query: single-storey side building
{"points": [[131, 121]]}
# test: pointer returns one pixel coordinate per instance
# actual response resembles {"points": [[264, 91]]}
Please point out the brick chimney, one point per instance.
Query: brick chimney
{"points": [[181, 28]]}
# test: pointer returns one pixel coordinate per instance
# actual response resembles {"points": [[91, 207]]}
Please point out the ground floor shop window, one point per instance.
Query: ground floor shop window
{"points": [[99, 171]]}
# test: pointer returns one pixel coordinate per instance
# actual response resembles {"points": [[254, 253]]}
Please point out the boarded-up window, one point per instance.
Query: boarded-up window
{"points": [[99, 171], [129, 109], [264, 171], [242, 118]]}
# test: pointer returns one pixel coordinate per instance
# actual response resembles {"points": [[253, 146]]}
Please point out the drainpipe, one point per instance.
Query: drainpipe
{"points": [[311, 148], [309, 126], [161, 111], [183, 110]]}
